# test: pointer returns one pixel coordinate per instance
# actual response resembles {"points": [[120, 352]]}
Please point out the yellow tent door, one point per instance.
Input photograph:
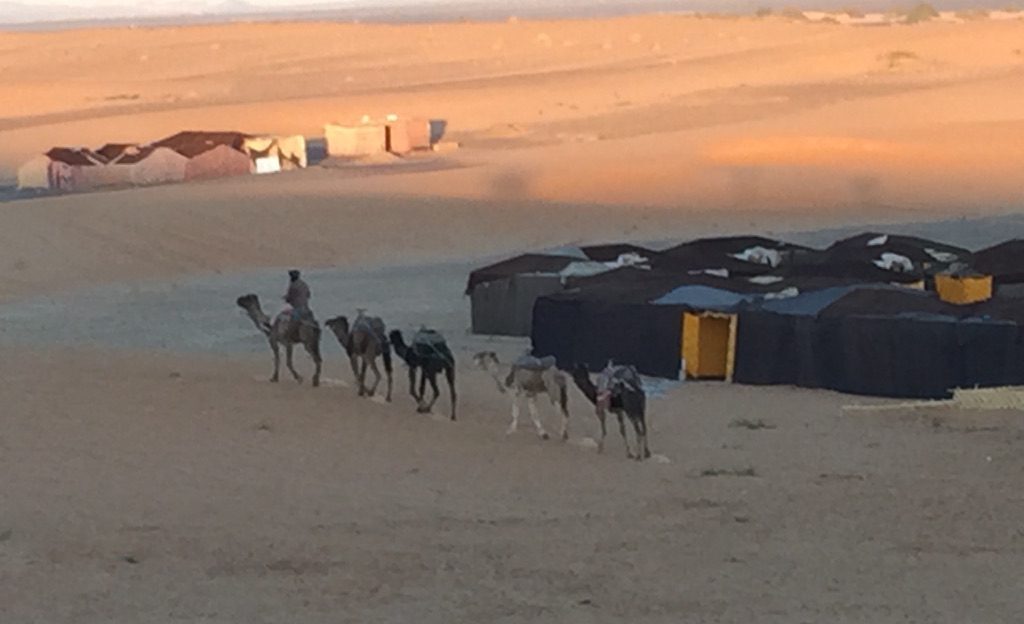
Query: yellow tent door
{"points": [[709, 342]]}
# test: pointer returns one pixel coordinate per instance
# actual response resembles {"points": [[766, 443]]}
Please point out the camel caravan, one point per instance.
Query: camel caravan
{"points": [[365, 340], [873, 314]]}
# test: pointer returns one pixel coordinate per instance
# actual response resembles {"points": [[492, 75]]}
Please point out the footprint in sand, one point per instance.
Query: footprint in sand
{"points": [[587, 443]]}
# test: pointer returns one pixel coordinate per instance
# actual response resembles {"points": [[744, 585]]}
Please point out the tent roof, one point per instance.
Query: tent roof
{"points": [[192, 143], [525, 263], [1004, 261], [75, 156], [723, 245], [869, 246], [611, 252], [719, 253], [111, 151], [704, 297], [825, 264]]}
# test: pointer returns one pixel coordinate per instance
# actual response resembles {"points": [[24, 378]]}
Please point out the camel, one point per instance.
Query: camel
{"points": [[620, 391], [530, 377], [364, 342], [278, 333], [428, 353]]}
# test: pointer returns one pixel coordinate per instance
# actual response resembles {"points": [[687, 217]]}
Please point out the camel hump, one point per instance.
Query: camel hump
{"points": [[530, 362]]}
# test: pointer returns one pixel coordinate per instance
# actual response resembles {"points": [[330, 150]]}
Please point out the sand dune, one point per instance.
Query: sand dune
{"points": [[663, 91]]}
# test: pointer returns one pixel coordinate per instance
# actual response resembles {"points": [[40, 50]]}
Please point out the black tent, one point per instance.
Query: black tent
{"points": [[879, 341], [926, 256], [739, 255], [631, 316], [1005, 263], [502, 294]]}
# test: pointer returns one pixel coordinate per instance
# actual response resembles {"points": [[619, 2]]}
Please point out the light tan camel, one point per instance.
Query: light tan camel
{"points": [[283, 332], [364, 342], [530, 377]]}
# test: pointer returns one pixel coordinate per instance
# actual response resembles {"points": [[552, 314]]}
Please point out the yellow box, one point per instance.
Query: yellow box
{"points": [[962, 290], [709, 345]]}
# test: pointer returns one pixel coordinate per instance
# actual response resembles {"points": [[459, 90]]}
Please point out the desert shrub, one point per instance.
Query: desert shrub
{"points": [[793, 13], [729, 472], [921, 13], [763, 12], [894, 58]]}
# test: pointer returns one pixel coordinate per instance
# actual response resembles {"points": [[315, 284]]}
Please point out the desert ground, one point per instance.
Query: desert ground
{"points": [[152, 474]]}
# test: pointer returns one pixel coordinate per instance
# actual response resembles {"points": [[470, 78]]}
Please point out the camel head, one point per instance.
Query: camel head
{"points": [[486, 360], [339, 325], [398, 342], [248, 302], [251, 304]]}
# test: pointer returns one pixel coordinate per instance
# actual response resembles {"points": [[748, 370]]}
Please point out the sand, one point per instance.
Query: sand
{"points": [[152, 474]]}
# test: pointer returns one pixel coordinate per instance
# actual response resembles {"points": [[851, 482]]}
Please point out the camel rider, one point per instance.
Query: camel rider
{"points": [[298, 298]]}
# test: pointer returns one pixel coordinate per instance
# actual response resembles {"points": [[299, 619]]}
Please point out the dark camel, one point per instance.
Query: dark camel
{"points": [[429, 355], [620, 391], [364, 342], [281, 332]]}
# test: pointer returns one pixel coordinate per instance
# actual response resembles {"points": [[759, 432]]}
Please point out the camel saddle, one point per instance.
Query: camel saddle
{"points": [[372, 326], [427, 337], [533, 363], [615, 378], [429, 343]]}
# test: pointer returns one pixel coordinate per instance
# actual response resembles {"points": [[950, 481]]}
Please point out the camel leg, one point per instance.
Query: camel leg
{"points": [[390, 383], [354, 363], [422, 406], [604, 431], [376, 376], [531, 404], [362, 377], [434, 389], [641, 434], [449, 373], [314, 353], [515, 415], [277, 360], [563, 410], [625, 440], [412, 384], [289, 350]]}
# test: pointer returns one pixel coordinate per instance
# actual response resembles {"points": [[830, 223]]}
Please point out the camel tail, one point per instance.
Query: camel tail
{"points": [[563, 398]]}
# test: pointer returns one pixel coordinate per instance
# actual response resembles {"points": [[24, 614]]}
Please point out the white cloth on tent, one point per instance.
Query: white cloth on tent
{"points": [[785, 293], [942, 256], [878, 240], [765, 279], [631, 259], [712, 272], [760, 255], [895, 262], [583, 268]]}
